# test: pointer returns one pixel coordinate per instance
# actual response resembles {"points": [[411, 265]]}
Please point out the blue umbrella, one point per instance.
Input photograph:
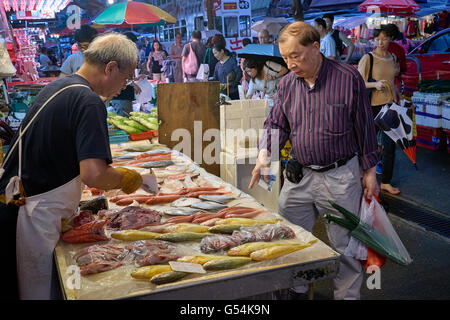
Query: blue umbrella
{"points": [[262, 51]]}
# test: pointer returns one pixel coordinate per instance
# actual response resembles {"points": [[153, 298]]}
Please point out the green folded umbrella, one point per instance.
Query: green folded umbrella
{"points": [[367, 234]]}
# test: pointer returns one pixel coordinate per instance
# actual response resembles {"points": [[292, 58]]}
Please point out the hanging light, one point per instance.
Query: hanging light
{"points": [[31, 5], [6, 5], [39, 5], [15, 5], [23, 5]]}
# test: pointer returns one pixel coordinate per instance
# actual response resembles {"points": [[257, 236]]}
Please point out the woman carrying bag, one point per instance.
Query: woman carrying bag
{"points": [[378, 69]]}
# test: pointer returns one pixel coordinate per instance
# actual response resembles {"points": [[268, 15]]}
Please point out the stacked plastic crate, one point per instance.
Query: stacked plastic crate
{"points": [[446, 121], [429, 118]]}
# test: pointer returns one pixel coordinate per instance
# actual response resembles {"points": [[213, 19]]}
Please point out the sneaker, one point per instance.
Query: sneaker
{"points": [[379, 168]]}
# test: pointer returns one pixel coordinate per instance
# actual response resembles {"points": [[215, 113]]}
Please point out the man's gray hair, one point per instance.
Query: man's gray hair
{"points": [[112, 47]]}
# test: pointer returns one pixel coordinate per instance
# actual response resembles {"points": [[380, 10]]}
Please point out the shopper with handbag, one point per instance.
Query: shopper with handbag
{"points": [[155, 61], [192, 55], [378, 69]]}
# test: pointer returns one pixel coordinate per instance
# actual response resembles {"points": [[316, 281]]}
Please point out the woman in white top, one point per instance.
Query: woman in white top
{"points": [[262, 85]]}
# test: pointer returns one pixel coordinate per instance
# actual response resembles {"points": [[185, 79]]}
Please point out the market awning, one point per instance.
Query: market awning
{"points": [[350, 22], [432, 10], [395, 7], [329, 3]]}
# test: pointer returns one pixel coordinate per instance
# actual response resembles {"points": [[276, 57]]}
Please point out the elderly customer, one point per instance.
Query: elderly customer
{"points": [[65, 145], [322, 108]]}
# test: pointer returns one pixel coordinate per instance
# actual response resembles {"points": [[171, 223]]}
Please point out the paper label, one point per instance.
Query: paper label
{"points": [[186, 267], [267, 186]]}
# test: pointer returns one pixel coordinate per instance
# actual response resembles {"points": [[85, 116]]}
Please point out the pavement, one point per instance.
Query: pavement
{"points": [[421, 216]]}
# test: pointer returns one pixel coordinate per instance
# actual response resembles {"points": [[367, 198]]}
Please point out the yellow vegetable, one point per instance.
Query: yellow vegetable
{"points": [[133, 235], [277, 251], [246, 221], [149, 272], [186, 227], [248, 248], [201, 259]]}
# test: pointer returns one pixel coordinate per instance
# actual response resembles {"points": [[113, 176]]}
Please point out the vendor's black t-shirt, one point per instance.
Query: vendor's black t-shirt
{"points": [[71, 128]]}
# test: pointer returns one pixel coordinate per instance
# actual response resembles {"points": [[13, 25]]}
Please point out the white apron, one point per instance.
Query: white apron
{"points": [[39, 224], [38, 232]]}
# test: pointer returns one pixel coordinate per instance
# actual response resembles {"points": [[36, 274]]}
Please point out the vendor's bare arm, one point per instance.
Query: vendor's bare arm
{"points": [[96, 173]]}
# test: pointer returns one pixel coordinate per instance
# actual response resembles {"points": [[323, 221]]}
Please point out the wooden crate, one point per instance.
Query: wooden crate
{"points": [[182, 104]]}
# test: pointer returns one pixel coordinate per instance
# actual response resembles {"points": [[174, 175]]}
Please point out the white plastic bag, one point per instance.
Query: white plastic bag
{"points": [[203, 72], [355, 248], [374, 215]]}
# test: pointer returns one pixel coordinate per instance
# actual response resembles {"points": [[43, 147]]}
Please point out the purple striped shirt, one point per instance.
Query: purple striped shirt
{"points": [[329, 122]]}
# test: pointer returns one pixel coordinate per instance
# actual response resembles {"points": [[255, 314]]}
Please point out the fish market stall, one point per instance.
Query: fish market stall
{"points": [[186, 234]]}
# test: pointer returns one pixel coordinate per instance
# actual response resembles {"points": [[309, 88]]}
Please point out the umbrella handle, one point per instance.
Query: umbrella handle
{"points": [[390, 91]]}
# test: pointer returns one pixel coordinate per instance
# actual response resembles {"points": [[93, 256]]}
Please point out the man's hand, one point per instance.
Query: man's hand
{"points": [[370, 184], [262, 167]]}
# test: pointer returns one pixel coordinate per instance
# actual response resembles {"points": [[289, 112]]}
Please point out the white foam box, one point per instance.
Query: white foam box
{"points": [[446, 116], [241, 123], [432, 119], [237, 170]]}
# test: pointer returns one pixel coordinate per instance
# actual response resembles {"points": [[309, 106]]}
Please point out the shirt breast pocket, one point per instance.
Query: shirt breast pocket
{"points": [[337, 118]]}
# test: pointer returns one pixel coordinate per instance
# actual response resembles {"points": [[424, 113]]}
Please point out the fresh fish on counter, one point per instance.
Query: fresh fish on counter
{"points": [[157, 164], [171, 186], [127, 156], [222, 199], [168, 277], [181, 211], [188, 183], [208, 205], [183, 176], [149, 272], [185, 202], [146, 148], [94, 205], [183, 236], [93, 231]]}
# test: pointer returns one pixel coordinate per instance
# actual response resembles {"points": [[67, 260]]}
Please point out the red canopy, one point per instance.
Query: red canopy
{"points": [[395, 7]]}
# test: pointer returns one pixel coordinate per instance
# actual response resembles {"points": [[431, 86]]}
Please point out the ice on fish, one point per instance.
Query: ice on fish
{"points": [[185, 202]]}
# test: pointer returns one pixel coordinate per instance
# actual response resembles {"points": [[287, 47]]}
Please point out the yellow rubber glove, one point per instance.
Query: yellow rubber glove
{"points": [[131, 180]]}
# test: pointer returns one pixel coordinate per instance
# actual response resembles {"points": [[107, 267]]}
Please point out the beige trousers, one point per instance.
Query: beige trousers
{"points": [[302, 203]]}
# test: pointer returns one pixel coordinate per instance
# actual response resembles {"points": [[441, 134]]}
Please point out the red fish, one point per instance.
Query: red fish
{"points": [[90, 232]]}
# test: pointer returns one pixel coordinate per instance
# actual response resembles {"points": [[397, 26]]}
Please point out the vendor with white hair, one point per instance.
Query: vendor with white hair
{"points": [[63, 142]]}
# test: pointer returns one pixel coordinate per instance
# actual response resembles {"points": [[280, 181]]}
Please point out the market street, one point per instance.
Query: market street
{"points": [[426, 278]]}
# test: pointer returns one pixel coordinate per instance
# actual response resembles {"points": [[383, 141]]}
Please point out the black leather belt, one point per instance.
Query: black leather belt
{"points": [[334, 165]]}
